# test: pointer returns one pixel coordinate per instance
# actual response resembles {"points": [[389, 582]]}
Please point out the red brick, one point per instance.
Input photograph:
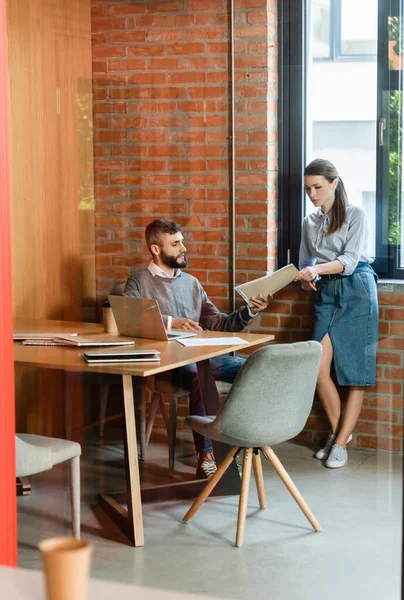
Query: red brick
{"points": [[396, 328], [126, 37], [391, 344], [128, 122], [127, 9], [111, 248], [379, 443], [107, 24], [128, 93], [206, 179], [165, 179], [187, 77], [109, 136], [386, 429], [99, 66], [388, 387], [370, 414], [184, 20], [127, 64], [161, 35], [109, 107], [394, 373], [207, 33], [391, 299], [146, 50], [384, 328]]}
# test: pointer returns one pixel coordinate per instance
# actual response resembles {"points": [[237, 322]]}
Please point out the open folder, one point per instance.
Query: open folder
{"points": [[269, 284]]}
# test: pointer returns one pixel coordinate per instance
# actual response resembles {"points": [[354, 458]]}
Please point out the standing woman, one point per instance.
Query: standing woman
{"points": [[334, 264]]}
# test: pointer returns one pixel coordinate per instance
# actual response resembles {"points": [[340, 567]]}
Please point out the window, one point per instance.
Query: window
{"points": [[343, 29], [347, 111]]}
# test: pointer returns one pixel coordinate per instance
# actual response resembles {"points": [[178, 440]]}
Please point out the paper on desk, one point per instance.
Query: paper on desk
{"points": [[219, 341]]}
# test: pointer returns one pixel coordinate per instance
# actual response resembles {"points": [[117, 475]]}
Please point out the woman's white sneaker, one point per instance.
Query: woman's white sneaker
{"points": [[337, 458], [324, 452]]}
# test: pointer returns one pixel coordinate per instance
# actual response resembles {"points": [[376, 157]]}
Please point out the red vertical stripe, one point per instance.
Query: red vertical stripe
{"points": [[8, 518]]}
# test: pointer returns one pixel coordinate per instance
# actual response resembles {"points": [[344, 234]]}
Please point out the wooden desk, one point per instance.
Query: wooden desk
{"points": [[173, 355]]}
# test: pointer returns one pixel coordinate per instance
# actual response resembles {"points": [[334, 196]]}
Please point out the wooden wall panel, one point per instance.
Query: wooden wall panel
{"points": [[51, 158], [51, 183], [8, 519]]}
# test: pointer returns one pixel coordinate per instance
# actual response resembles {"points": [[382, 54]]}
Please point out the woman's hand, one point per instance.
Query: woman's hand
{"points": [[309, 286], [307, 274]]}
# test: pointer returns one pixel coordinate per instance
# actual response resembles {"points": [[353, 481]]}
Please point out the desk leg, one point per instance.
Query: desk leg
{"points": [[230, 482], [130, 521]]}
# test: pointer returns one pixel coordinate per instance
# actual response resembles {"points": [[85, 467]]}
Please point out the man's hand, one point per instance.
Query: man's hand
{"points": [[259, 303], [185, 324]]}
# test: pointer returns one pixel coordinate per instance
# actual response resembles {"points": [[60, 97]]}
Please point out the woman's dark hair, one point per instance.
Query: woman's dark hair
{"points": [[319, 166], [158, 228]]}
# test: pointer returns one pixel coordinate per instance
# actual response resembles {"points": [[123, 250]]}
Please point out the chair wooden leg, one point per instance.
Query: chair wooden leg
{"points": [[172, 438], [164, 413], [259, 479], [283, 474], [74, 472], [104, 391], [245, 484], [152, 415], [222, 468]]}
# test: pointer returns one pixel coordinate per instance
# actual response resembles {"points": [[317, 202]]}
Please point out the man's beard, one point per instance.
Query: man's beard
{"points": [[173, 262]]}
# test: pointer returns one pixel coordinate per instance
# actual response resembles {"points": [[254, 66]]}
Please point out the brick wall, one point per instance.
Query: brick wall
{"points": [[162, 147], [162, 134]]}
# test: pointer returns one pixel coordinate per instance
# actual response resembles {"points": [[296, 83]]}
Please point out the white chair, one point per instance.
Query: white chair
{"points": [[36, 453]]}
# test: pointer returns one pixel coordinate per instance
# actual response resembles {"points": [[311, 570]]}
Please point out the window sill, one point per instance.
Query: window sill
{"points": [[391, 285]]}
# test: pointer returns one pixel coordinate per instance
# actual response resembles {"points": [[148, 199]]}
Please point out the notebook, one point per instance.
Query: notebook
{"points": [[118, 355], [141, 318], [269, 284], [97, 339]]}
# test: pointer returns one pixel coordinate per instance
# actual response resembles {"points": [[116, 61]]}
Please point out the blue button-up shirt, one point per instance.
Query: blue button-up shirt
{"points": [[348, 244]]}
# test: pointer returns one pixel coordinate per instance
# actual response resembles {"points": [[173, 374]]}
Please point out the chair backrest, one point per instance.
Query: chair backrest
{"points": [[271, 397], [30, 459], [118, 289]]}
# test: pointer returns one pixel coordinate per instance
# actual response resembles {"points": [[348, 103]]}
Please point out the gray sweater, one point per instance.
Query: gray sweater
{"points": [[183, 296]]}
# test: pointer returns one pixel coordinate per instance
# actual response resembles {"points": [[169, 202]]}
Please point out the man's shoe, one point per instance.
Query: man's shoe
{"points": [[337, 458], [324, 452], [206, 468]]}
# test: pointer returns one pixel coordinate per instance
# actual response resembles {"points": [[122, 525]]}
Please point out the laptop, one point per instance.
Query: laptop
{"points": [[141, 318], [118, 355]]}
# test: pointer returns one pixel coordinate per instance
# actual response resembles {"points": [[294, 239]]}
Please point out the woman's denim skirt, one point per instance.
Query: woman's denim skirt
{"points": [[346, 308]]}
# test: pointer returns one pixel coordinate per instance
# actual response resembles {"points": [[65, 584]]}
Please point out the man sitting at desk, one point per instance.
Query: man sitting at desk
{"points": [[185, 305]]}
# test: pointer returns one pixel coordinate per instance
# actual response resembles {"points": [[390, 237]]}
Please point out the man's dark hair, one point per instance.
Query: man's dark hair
{"points": [[158, 228]]}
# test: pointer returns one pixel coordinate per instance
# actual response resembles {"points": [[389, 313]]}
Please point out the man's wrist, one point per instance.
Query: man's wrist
{"points": [[250, 312]]}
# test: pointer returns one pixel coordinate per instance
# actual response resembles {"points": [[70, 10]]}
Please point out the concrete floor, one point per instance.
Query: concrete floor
{"points": [[357, 555]]}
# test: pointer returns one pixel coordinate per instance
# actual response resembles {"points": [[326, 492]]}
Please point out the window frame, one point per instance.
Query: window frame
{"points": [[293, 45]]}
